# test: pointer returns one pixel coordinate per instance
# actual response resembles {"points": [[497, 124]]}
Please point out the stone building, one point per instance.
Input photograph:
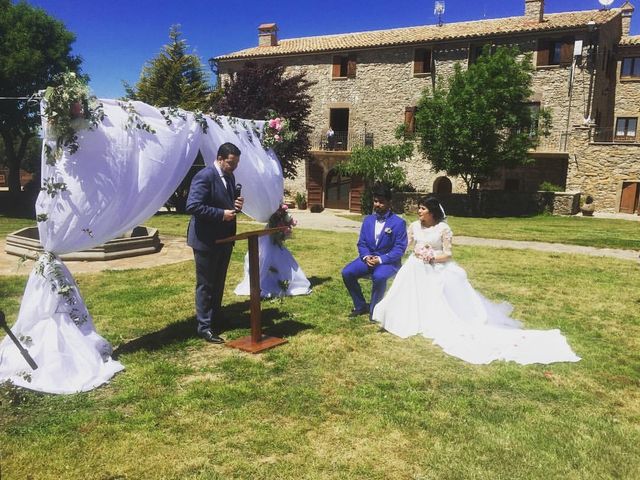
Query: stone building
{"points": [[587, 74]]}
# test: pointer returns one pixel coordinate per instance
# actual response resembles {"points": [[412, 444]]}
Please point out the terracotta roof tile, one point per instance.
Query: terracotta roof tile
{"points": [[427, 34], [630, 40]]}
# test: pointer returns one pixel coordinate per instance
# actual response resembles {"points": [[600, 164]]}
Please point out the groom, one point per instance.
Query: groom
{"points": [[382, 242]]}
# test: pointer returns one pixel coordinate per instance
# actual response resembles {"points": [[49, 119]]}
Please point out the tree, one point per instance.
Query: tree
{"points": [[257, 89], [33, 48], [482, 122], [174, 78], [381, 164]]}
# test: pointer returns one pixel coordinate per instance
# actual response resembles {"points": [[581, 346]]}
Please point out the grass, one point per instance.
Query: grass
{"points": [[590, 232], [341, 400], [11, 224]]}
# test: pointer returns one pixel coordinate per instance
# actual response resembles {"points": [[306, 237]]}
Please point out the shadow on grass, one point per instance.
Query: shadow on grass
{"points": [[316, 281], [175, 332], [236, 316]]}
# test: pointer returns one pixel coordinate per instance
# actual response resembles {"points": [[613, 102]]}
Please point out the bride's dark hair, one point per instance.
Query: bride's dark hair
{"points": [[434, 207]]}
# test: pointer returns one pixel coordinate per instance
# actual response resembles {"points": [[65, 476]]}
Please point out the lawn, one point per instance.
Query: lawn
{"points": [[341, 400], [590, 232]]}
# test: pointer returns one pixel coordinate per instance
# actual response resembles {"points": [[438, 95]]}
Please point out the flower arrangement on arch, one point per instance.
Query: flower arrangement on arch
{"points": [[276, 131], [69, 108], [281, 218]]}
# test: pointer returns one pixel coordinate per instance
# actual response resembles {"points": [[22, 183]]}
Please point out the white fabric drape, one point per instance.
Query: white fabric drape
{"points": [[118, 178], [280, 274]]}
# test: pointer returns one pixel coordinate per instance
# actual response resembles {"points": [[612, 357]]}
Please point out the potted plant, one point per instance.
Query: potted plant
{"points": [[301, 201], [588, 207]]}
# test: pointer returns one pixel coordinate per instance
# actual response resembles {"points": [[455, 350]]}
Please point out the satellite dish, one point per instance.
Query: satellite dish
{"points": [[605, 3]]}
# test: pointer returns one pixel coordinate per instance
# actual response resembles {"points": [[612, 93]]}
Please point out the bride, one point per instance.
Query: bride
{"points": [[431, 296]]}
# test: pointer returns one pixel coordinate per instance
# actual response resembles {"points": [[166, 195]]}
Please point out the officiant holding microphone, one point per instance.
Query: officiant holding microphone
{"points": [[214, 201]]}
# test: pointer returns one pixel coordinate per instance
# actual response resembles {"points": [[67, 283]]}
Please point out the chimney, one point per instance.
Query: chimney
{"points": [[268, 35], [534, 9], [627, 11]]}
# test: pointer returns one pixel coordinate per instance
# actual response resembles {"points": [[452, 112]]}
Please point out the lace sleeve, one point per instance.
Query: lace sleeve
{"points": [[447, 238], [410, 238]]}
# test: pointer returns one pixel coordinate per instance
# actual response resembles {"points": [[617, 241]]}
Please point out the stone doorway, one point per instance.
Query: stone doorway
{"points": [[630, 197], [337, 191], [442, 186]]}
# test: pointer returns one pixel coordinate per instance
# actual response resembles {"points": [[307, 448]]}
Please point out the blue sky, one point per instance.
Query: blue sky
{"points": [[116, 37]]}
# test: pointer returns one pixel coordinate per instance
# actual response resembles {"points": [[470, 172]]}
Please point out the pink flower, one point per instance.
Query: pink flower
{"points": [[284, 207], [277, 138], [272, 123]]}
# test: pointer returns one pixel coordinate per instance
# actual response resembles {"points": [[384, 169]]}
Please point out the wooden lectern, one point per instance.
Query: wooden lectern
{"points": [[256, 342]]}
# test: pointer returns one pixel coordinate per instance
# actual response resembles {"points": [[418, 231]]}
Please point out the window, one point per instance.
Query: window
{"points": [[534, 113], [344, 66], [555, 51], [421, 61], [626, 128], [630, 67], [475, 51]]}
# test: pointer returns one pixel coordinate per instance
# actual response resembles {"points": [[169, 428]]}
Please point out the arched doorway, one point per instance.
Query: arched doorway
{"points": [[442, 186], [337, 191]]}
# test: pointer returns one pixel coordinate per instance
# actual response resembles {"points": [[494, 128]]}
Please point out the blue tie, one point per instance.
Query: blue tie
{"points": [[229, 187]]}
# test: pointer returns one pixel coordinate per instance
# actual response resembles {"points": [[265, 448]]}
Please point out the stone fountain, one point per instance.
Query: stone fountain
{"points": [[139, 241]]}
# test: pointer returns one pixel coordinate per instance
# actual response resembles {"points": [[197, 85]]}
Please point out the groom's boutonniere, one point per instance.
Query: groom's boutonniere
{"points": [[387, 230]]}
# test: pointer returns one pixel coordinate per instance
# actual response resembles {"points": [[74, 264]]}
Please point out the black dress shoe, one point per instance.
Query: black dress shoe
{"points": [[356, 312], [209, 336]]}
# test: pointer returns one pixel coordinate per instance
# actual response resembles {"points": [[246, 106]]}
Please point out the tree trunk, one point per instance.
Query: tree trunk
{"points": [[14, 159]]}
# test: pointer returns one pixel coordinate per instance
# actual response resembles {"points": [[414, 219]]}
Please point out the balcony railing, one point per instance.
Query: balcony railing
{"points": [[609, 135], [341, 141]]}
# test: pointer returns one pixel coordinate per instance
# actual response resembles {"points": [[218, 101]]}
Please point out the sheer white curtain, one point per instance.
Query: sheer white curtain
{"points": [[118, 178]]}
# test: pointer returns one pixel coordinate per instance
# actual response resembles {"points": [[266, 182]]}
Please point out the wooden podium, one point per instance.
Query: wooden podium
{"points": [[256, 342]]}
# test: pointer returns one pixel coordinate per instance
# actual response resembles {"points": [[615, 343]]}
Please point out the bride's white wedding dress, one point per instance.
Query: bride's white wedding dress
{"points": [[438, 302]]}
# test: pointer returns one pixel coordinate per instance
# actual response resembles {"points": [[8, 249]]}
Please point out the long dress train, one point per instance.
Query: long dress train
{"points": [[438, 302]]}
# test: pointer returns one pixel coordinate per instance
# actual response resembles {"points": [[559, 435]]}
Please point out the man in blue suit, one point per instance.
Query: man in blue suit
{"points": [[213, 205], [382, 242]]}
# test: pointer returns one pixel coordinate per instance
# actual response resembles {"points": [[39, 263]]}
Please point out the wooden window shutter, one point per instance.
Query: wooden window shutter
{"points": [[566, 51], [543, 52], [337, 60], [351, 65], [418, 60], [410, 119], [421, 60]]}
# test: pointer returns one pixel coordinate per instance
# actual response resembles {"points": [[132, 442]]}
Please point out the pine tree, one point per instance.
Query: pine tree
{"points": [[174, 78]]}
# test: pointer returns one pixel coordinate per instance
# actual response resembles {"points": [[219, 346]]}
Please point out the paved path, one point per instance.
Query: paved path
{"points": [[175, 249]]}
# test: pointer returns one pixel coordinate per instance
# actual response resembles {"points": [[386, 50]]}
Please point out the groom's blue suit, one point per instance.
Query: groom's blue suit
{"points": [[390, 246]]}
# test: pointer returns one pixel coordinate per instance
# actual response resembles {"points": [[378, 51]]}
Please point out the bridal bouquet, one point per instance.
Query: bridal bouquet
{"points": [[281, 218], [425, 253]]}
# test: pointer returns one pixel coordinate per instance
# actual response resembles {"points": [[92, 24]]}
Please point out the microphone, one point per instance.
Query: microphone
{"points": [[237, 193]]}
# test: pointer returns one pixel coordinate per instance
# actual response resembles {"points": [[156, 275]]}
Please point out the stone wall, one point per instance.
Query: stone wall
{"points": [[384, 85], [495, 203], [598, 169]]}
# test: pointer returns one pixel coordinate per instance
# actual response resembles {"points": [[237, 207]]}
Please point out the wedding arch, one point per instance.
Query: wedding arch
{"points": [[110, 172]]}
